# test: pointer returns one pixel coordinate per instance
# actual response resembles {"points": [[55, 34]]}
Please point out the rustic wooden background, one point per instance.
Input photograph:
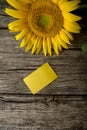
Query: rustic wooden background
{"points": [[60, 106]]}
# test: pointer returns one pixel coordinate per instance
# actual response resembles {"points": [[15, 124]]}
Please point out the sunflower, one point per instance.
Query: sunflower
{"points": [[44, 24]]}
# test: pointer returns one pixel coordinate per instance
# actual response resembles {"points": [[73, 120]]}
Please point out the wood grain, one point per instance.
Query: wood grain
{"points": [[15, 64], [60, 106], [23, 112]]}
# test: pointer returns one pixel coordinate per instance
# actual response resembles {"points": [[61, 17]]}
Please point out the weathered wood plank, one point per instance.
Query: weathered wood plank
{"points": [[11, 82], [4, 18], [4, 21], [23, 112], [72, 80], [3, 5], [71, 62], [15, 64]]}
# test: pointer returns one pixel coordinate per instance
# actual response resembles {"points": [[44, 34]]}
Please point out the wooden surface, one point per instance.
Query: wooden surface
{"points": [[60, 106]]}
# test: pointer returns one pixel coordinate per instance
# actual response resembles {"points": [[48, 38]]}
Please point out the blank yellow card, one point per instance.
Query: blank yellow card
{"points": [[40, 78]]}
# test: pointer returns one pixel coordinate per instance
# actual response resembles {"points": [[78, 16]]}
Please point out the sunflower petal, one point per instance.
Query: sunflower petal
{"points": [[61, 42], [55, 47], [17, 5], [64, 37], [44, 46], [39, 45], [34, 45], [29, 46], [59, 46], [25, 40], [71, 17], [69, 5], [68, 34], [14, 29], [15, 13], [49, 46], [72, 27], [16, 23], [22, 33], [31, 42]]}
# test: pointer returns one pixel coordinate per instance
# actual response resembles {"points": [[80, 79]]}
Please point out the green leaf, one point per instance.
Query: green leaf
{"points": [[84, 48]]}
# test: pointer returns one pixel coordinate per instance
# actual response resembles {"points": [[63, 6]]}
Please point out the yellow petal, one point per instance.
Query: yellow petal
{"points": [[30, 42], [71, 17], [69, 5], [22, 33], [64, 37], [25, 40], [14, 29], [55, 47], [59, 46], [39, 45], [68, 34], [61, 42], [18, 5], [15, 13], [77, 25], [49, 46], [72, 27], [33, 38], [44, 46], [34, 45], [16, 23], [29, 46]]}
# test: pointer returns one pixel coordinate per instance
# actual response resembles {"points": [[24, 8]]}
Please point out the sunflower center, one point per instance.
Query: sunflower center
{"points": [[44, 21], [45, 18]]}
